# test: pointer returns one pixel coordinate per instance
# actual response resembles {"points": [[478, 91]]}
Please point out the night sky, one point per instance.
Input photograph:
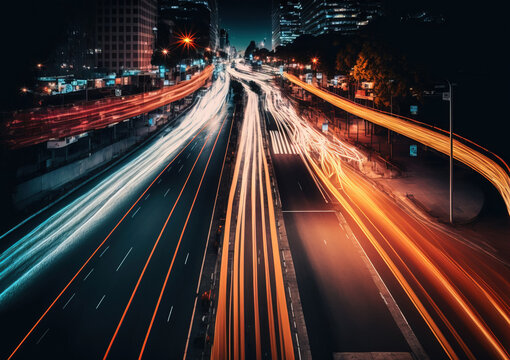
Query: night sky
{"points": [[246, 20]]}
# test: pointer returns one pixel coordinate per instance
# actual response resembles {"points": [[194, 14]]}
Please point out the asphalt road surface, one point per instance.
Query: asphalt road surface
{"points": [[128, 282]]}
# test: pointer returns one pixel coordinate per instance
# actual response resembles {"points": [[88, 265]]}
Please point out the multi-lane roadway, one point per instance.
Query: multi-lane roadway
{"points": [[112, 270]]}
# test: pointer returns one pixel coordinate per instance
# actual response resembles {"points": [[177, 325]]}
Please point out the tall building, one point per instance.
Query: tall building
{"points": [[336, 16], [224, 42], [199, 17], [286, 22], [125, 34]]}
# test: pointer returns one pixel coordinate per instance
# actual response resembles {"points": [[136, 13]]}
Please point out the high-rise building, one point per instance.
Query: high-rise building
{"points": [[125, 34], [224, 42], [198, 17], [337, 16], [286, 22]]}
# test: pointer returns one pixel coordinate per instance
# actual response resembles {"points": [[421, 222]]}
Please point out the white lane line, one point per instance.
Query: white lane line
{"points": [[180, 169], [195, 144], [104, 250], [277, 143], [166, 193], [132, 216], [122, 262], [159, 180], [38, 341], [300, 186], [170, 314], [100, 301], [282, 144], [186, 261], [90, 272], [284, 141], [282, 149], [68, 301], [287, 142], [272, 141], [168, 170], [147, 196], [275, 150], [187, 156]]}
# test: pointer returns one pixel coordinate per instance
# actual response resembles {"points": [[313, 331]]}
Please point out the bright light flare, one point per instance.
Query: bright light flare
{"points": [[186, 40]]}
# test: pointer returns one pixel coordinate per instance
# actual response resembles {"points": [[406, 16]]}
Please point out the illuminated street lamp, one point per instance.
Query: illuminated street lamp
{"points": [[164, 52], [39, 66], [315, 60]]}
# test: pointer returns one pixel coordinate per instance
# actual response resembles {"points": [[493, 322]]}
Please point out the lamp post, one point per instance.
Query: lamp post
{"points": [[450, 99]]}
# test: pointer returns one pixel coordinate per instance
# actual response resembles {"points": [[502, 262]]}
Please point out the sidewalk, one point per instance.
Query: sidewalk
{"points": [[421, 181]]}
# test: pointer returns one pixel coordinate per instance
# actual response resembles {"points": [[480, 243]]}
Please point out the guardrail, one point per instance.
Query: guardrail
{"points": [[36, 126], [478, 158]]}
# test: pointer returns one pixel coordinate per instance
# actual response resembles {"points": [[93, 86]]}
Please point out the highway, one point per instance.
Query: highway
{"points": [[112, 271], [252, 315], [453, 295]]}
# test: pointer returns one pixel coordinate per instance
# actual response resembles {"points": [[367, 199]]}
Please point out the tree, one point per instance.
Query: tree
{"points": [[250, 49]]}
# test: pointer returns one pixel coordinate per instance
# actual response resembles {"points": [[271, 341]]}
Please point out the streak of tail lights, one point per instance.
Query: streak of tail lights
{"points": [[498, 175], [38, 126], [251, 180], [20, 263], [440, 273]]}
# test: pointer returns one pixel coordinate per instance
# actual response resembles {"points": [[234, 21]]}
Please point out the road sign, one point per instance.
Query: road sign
{"points": [[118, 92], [413, 150], [446, 96], [414, 109], [325, 127]]}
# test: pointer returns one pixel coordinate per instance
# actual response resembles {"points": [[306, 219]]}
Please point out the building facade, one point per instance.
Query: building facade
{"points": [[125, 34], [197, 17], [285, 21], [336, 16]]}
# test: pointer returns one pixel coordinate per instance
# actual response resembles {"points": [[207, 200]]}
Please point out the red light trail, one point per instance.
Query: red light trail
{"points": [[40, 125]]}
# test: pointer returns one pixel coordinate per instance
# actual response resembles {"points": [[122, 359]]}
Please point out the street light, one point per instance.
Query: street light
{"points": [[449, 97], [164, 52]]}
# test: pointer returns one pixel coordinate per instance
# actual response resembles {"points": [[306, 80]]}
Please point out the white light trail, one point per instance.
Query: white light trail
{"points": [[34, 252]]}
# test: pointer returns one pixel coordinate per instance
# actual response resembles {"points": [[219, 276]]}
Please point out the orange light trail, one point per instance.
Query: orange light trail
{"points": [[179, 242], [135, 289], [421, 257], [497, 174], [250, 174], [101, 245]]}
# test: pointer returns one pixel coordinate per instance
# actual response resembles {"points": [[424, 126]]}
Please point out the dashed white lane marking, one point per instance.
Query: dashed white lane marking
{"points": [[170, 313], [159, 181], [68, 301], [100, 301], [180, 168], [166, 193], [104, 250], [122, 262], [90, 272], [300, 186], [187, 156], [132, 216], [38, 341], [147, 196], [186, 261]]}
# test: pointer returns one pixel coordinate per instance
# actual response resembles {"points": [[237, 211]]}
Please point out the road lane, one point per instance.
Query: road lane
{"points": [[100, 276]]}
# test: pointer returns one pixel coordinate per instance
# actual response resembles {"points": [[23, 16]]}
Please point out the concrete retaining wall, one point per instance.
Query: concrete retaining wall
{"points": [[35, 188]]}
